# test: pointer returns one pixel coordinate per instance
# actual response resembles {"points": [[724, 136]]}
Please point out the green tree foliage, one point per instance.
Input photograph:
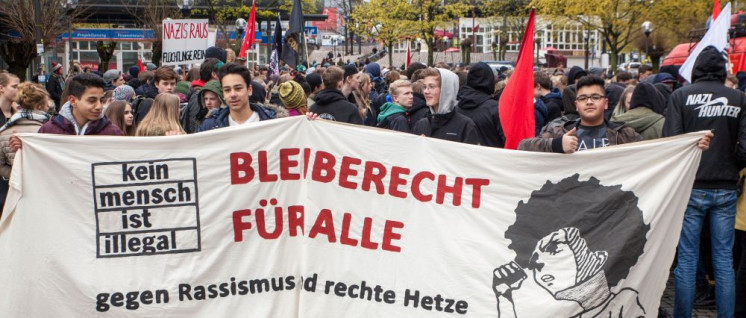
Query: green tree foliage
{"points": [[410, 17], [511, 16], [675, 18], [431, 14], [386, 21], [617, 20]]}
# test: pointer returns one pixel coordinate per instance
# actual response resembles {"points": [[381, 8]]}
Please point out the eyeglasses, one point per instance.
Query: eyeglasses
{"points": [[594, 97]]}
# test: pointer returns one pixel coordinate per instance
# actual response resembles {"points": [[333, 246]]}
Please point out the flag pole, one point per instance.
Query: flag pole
{"points": [[305, 46]]}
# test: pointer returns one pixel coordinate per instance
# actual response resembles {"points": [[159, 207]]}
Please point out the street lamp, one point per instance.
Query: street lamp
{"points": [[538, 47], [240, 27], [647, 28], [69, 6], [185, 6], [348, 35]]}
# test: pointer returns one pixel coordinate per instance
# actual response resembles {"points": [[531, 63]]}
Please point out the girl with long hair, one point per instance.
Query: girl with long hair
{"points": [[163, 118], [362, 99], [120, 114], [8, 88]]}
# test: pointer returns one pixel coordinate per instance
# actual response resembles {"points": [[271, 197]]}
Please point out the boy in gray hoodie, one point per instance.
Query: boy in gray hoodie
{"points": [[441, 88]]}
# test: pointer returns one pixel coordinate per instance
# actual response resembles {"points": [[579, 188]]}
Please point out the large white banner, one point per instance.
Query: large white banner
{"points": [[184, 41], [298, 218]]}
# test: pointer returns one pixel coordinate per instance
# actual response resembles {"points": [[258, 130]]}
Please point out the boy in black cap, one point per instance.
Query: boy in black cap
{"points": [[350, 82], [316, 84]]}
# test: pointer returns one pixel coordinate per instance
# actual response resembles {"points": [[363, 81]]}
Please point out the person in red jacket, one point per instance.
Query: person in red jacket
{"points": [[82, 114]]}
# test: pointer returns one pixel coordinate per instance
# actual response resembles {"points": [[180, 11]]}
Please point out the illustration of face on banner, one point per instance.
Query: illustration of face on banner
{"points": [[297, 218], [184, 41]]}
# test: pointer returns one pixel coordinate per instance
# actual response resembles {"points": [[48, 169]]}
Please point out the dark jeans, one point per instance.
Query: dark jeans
{"points": [[719, 206]]}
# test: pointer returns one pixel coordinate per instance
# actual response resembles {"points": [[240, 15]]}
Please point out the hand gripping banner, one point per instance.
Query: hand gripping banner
{"points": [[298, 218]]}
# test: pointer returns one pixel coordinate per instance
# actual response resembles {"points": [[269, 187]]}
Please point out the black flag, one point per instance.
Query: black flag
{"points": [[278, 36], [292, 48], [274, 59]]}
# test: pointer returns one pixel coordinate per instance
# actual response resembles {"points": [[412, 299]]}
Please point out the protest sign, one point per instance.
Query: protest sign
{"points": [[184, 41], [298, 218]]}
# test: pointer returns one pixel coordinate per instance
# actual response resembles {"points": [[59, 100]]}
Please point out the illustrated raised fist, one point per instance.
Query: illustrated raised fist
{"points": [[507, 278]]}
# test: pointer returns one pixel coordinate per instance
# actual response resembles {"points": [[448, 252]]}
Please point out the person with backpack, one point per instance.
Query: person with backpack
{"points": [[394, 114]]}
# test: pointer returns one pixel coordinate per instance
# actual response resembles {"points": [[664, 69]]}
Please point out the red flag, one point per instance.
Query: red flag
{"points": [[409, 54], [517, 100], [250, 35], [715, 10], [139, 64]]}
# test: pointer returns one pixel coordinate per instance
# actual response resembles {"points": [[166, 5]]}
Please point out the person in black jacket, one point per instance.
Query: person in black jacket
{"points": [[445, 123], [165, 82], [331, 104], [708, 105], [56, 85], [552, 97], [394, 115], [476, 102], [574, 74], [419, 108]]}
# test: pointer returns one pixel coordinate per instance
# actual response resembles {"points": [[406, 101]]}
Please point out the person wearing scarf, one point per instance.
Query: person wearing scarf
{"points": [[32, 101]]}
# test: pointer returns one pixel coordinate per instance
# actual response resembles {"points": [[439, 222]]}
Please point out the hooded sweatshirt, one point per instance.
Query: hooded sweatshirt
{"points": [[641, 116], [203, 113], [419, 109], [65, 124], [476, 102], [574, 74], [614, 94], [570, 112], [331, 104], [666, 92], [379, 84], [708, 105], [553, 101], [446, 123], [211, 86], [141, 105], [394, 117]]}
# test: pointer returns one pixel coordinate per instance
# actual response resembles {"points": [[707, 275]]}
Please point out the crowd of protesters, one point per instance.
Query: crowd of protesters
{"points": [[573, 111]]}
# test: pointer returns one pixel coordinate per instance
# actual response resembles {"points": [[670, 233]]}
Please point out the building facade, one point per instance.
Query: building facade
{"points": [[566, 38]]}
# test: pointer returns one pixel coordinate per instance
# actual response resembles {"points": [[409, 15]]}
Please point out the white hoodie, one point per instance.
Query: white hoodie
{"points": [[448, 91]]}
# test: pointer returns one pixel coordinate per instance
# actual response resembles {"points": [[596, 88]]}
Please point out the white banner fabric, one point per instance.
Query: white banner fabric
{"points": [[184, 41], [298, 218]]}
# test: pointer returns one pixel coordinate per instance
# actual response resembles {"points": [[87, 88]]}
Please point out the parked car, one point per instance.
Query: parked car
{"points": [[497, 65]]}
